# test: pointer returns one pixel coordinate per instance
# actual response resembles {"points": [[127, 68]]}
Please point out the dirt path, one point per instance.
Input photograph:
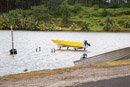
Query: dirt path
{"points": [[70, 78]]}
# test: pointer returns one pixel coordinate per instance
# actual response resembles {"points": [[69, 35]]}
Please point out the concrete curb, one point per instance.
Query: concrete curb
{"points": [[123, 53]]}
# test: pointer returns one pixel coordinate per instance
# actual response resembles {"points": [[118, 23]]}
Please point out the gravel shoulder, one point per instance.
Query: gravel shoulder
{"points": [[66, 77]]}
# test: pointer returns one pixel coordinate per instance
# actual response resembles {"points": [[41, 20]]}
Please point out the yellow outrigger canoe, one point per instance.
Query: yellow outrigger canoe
{"points": [[63, 43]]}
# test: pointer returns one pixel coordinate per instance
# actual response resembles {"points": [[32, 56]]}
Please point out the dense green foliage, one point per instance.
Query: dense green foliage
{"points": [[48, 15], [110, 25], [6, 5]]}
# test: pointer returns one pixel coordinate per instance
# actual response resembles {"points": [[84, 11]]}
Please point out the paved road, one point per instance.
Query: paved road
{"points": [[116, 82]]}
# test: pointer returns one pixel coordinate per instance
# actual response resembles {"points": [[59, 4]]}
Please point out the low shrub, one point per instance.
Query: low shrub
{"points": [[127, 24], [110, 25], [73, 26], [85, 26]]}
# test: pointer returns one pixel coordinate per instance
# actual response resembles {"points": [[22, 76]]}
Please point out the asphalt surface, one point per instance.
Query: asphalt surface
{"points": [[116, 82]]}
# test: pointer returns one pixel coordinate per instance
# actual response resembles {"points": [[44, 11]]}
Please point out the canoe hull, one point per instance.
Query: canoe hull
{"points": [[63, 43], [68, 43]]}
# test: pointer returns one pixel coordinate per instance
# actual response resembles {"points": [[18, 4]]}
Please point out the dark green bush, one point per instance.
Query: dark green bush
{"points": [[104, 13], [115, 28], [110, 25], [127, 24], [77, 8], [85, 26], [107, 24], [121, 22]]}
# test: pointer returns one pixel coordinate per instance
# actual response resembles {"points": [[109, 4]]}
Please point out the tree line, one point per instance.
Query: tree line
{"points": [[6, 5]]}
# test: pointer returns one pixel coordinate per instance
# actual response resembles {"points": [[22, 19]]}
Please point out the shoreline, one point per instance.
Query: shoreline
{"points": [[67, 77], [96, 31], [48, 72]]}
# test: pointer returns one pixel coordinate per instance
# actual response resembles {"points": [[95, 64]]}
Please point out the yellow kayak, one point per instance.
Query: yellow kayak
{"points": [[68, 43]]}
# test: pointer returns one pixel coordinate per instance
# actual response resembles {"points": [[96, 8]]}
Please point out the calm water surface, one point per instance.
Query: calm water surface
{"points": [[26, 43]]}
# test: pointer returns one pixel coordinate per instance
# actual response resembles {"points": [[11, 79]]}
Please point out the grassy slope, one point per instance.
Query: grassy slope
{"points": [[95, 18]]}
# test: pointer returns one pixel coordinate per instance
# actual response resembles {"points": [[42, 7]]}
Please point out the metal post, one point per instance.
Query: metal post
{"points": [[36, 49], [12, 39], [54, 50], [39, 49], [12, 51], [51, 50]]}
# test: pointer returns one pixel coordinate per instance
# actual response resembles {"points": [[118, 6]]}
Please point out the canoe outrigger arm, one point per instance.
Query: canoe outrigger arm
{"points": [[75, 45]]}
